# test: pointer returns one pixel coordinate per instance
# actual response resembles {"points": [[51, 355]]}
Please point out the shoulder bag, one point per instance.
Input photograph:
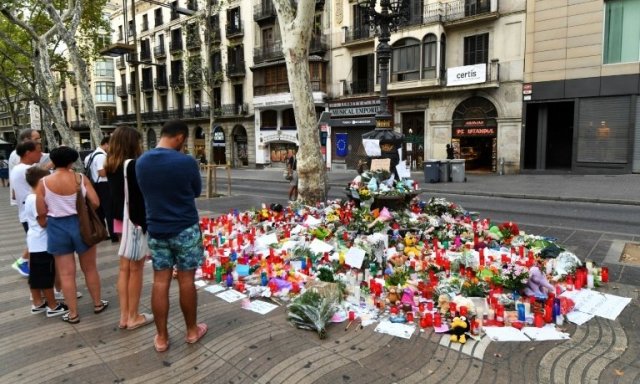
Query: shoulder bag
{"points": [[92, 229], [133, 244]]}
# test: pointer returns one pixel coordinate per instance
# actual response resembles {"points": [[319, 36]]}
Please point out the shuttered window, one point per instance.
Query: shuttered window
{"points": [[636, 145], [603, 131]]}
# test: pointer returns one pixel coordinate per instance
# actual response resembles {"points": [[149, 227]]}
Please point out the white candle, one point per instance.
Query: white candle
{"points": [[589, 281], [491, 314], [527, 308]]}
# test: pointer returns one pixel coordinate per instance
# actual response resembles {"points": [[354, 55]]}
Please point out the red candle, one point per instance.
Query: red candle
{"points": [[452, 307], [463, 310], [421, 307], [394, 310], [429, 305], [578, 281], [604, 274], [482, 257], [424, 322], [352, 315], [521, 251], [409, 317], [538, 321], [437, 320]]}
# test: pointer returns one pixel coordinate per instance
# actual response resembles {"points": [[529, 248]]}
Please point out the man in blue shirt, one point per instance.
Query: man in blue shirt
{"points": [[170, 182]]}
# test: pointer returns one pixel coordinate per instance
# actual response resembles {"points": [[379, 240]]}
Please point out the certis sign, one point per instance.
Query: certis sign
{"points": [[469, 74]]}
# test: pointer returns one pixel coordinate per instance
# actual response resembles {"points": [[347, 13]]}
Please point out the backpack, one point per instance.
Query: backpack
{"points": [[87, 168]]}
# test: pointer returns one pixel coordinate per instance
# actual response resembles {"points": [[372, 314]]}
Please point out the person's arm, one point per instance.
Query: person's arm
{"points": [[196, 180], [92, 196], [99, 162], [41, 206]]}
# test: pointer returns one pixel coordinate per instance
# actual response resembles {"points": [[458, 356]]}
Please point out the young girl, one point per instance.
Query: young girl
{"points": [[42, 273]]}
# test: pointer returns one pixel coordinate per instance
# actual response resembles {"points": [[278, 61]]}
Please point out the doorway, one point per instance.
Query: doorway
{"points": [[549, 136], [413, 130]]}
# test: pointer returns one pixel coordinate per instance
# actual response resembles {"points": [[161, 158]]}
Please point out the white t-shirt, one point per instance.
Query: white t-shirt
{"points": [[21, 188], [14, 160], [36, 236], [99, 158]]}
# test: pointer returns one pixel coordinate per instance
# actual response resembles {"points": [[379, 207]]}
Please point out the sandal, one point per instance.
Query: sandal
{"points": [[202, 330], [147, 318], [71, 320], [99, 308], [159, 348]]}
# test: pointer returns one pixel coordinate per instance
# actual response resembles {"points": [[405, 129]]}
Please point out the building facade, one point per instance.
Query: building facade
{"points": [[582, 74]]}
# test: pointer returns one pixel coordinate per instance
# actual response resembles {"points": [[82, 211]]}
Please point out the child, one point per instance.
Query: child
{"points": [[42, 273]]}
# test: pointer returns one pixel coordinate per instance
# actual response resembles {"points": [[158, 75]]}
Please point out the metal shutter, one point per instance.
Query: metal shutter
{"points": [[636, 144], [603, 130]]}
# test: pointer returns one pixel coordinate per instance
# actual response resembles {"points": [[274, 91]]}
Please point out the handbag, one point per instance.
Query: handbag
{"points": [[288, 175], [133, 244], [92, 229]]}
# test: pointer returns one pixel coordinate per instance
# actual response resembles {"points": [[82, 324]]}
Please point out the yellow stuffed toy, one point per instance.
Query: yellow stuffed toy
{"points": [[459, 327], [410, 242]]}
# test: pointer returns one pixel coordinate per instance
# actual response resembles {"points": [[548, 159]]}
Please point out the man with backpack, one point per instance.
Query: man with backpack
{"points": [[94, 170]]}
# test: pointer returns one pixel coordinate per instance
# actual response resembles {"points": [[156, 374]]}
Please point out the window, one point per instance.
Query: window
{"points": [[145, 22], [621, 31], [104, 68], [429, 61], [476, 49], [405, 60], [105, 92], [443, 56], [158, 17]]}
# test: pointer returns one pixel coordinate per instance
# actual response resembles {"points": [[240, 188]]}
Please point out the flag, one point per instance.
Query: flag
{"points": [[342, 144]]}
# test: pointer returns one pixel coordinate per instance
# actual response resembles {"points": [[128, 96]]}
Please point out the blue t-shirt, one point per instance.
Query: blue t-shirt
{"points": [[169, 181]]}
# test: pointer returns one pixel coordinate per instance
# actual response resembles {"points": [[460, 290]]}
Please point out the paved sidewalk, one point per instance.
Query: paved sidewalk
{"points": [[244, 347]]}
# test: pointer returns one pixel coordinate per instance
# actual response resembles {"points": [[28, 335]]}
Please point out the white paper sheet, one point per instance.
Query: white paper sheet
{"points": [[311, 221], [598, 304], [396, 329], [372, 147], [319, 246], [548, 332], [612, 306], [579, 318], [355, 257], [214, 288], [297, 229], [403, 171], [260, 307], [266, 240], [231, 295], [200, 283], [505, 334]]}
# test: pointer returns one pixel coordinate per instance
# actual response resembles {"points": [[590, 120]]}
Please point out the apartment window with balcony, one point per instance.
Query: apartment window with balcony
{"points": [[361, 29], [105, 92], [429, 61], [476, 49], [216, 61], [476, 7], [621, 31], [157, 15], [174, 13], [443, 56], [193, 36], [192, 5], [131, 29], [145, 50], [104, 68], [120, 34], [234, 24], [405, 60], [145, 23], [362, 69]]}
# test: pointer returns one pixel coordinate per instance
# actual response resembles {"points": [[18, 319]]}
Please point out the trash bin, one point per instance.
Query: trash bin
{"points": [[457, 171], [432, 171], [445, 171]]}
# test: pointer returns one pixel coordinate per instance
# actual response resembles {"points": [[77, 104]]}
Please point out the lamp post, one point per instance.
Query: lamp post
{"points": [[391, 15]]}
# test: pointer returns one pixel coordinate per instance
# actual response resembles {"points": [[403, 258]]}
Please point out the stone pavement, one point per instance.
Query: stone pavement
{"points": [[244, 347]]}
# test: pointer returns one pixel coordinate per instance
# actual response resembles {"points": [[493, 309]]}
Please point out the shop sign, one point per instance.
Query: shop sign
{"points": [[358, 122], [355, 107], [527, 89], [468, 74], [218, 138], [475, 131]]}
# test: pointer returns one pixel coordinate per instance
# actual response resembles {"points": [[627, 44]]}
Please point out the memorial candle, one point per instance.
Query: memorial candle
{"points": [[482, 257], [604, 274]]}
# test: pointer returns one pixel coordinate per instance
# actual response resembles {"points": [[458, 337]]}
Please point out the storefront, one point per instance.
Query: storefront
{"points": [[474, 135], [350, 119], [219, 146], [240, 147]]}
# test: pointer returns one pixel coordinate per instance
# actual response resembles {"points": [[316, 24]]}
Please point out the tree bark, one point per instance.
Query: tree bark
{"points": [[296, 26]]}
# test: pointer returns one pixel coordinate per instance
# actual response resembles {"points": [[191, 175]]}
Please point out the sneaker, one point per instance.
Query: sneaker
{"points": [[22, 266], [60, 309], [60, 296], [39, 309]]}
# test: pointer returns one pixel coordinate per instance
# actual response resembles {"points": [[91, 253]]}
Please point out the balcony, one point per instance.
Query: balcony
{"points": [[228, 110], [121, 90], [236, 69], [194, 78], [318, 44], [264, 12], [176, 81], [462, 12], [121, 63], [79, 125], [262, 90], [146, 85], [131, 89], [362, 86], [132, 58], [145, 55], [193, 43], [159, 52], [268, 52], [160, 83], [103, 120], [176, 46], [234, 30], [357, 35]]}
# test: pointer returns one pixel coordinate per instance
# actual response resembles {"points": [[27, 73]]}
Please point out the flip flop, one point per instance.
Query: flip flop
{"points": [[159, 348], [71, 320], [122, 326], [148, 319], [202, 330], [99, 308]]}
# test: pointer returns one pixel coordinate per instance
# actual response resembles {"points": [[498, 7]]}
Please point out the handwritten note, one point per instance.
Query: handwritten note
{"points": [[231, 295], [396, 329], [380, 164], [355, 257], [371, 147], [261, 307]]}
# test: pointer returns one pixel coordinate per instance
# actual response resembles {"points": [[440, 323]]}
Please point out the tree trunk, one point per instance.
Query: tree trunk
{"points": [[296, 26]]}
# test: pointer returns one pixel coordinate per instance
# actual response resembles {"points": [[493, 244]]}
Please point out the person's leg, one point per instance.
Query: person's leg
{"points": [[123, 291], [66, 270], [189, 301], [104, 193], [91, 276], [36, 297], [50, 297], [160, 304], [134, 291]]}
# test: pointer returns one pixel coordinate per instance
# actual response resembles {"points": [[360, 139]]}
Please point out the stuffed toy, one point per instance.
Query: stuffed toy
{"points": [[410, 242], [443, 303], [538, 285], [459, 326], [407, 296], [392, 296]]}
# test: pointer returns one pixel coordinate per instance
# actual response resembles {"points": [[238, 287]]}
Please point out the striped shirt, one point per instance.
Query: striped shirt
{"points": [[61, 205]]}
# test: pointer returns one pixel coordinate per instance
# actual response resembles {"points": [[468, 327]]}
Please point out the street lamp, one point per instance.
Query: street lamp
{"points": [[392, 14]]}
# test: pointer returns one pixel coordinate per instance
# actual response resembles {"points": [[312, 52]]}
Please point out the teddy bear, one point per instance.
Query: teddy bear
{"points": [[459, 326], [392, 296], [538, 285], [410, 242], [444, 303]]}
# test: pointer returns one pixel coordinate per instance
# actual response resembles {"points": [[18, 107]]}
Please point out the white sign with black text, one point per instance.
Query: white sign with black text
{"points": [[469, 74]]}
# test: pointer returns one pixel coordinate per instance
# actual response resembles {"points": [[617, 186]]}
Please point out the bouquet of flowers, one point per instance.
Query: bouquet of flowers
{"points": [[508, 230], [514, 277], [474, 287]]}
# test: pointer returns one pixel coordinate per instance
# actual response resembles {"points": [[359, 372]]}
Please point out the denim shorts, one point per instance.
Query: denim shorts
{"points": [[63, 236], [185, 251]]}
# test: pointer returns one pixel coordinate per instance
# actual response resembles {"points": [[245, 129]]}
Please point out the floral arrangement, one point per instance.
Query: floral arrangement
{"points": [[509, 230], [514, 277], [474, 287]]}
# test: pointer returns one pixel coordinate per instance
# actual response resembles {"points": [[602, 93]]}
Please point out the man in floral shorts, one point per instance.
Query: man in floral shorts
{"points": [[170, 182]]}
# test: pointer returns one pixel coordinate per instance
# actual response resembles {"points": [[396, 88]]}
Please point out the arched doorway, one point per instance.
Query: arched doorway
{"points": [[152, 140], [240, 146], [475, 134], [199, 144], [219, 146]]}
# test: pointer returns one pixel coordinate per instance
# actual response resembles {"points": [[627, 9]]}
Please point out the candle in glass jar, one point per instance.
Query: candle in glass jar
{"points": [[437, 320], [604, 274]]}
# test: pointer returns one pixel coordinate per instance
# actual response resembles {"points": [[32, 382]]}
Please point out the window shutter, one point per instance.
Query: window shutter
{"points": [[603, 130]]}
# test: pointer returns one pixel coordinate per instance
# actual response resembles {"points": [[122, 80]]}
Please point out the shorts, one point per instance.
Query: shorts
{"points": [[63, 236], [294, 179], [185, 250], [42, 270], [25, 226]]}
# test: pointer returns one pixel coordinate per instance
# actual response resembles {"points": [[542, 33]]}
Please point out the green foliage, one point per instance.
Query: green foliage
{"points": [[312, 311]]}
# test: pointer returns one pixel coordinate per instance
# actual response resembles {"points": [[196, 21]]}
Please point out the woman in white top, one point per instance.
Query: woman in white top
{"points": [[56, 198]]}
